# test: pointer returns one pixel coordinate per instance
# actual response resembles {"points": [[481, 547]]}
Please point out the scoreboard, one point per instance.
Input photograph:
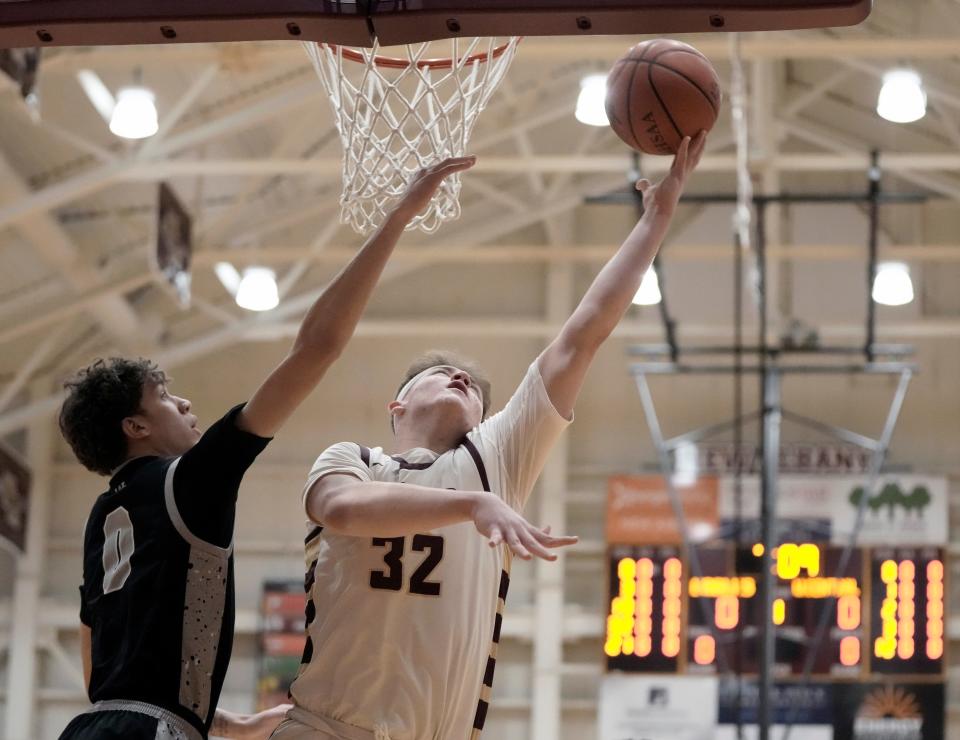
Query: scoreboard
{"points": [[886, 610], [908, 601]]}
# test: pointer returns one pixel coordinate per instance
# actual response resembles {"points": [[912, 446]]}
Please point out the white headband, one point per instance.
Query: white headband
{"points": [[408, 386]]}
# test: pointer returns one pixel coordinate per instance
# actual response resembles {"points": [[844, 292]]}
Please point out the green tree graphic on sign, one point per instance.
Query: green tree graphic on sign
{"points": [[892, 496], [919, 499]]}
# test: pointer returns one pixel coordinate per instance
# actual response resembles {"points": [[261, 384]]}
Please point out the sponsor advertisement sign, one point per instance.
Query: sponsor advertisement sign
{"points": [[636, 707], [902, 509], [639, 510]]}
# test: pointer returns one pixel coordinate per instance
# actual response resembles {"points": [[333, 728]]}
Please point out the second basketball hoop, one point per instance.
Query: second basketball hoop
{"points": [[399, 114]]}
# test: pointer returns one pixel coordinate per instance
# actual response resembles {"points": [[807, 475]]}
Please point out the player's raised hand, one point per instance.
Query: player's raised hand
{"points": [[665, 194], [495, 520], [426, 182]]}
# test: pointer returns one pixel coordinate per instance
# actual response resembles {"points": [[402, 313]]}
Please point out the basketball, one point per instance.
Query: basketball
{"points": [[659, 92]]}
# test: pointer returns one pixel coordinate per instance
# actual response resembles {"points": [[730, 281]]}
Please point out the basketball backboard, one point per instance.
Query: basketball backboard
{"points": [[402, 22], [94, 22]]}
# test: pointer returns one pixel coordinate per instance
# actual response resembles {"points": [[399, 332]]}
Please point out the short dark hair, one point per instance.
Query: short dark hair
{"points": [[99, 398], [435, 357]]}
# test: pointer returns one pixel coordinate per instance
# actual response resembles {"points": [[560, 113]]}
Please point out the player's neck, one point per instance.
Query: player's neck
{"points": [[148, 448], [435, 438]]}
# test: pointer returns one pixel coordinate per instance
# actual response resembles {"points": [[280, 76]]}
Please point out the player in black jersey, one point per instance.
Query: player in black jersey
{"points": [[157, 600]]}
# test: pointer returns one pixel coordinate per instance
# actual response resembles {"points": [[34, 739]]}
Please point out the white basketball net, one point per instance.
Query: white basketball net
{"points": [[396, 120]]}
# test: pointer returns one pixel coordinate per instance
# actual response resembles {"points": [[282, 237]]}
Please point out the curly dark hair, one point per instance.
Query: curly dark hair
{"points": [[99, 398], [436, 357]]}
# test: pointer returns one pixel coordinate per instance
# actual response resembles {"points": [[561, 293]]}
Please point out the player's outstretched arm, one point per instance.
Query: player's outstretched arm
{"points": [[347, 505], [248, 726], [565, 362], [331, 320]]}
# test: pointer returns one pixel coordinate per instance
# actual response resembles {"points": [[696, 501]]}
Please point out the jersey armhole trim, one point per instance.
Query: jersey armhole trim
{"points": [[181, 526], [478, 461]]}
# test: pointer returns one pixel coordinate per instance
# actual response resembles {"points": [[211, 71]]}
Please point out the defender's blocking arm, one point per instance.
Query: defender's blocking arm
{"points": [[331, 320]]}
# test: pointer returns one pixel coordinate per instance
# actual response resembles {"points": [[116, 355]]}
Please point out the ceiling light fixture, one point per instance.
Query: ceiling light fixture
{"points": [[591, 104], [892, 285], [649, 293], [99, 94], [258, 289], [135, 114], [902, 98], [228, 276]]}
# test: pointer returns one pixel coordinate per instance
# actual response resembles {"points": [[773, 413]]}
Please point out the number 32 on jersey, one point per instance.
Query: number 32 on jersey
{"points": [[392, 577]]}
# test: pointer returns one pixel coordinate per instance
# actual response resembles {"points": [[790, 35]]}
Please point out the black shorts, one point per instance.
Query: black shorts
{"points": [[129, 721]]}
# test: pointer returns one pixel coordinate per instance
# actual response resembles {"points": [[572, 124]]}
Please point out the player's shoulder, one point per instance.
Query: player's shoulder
{"points": [[351, 455], [483, 438], [138, 487], [481, 447], [353, 450]]}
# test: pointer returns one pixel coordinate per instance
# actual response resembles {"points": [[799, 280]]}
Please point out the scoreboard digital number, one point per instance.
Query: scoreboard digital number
{"points": [[886, 612], [645, 625], [908, 607]]}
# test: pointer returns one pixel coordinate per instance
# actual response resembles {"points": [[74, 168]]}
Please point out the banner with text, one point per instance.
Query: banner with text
{"points": [[902, 509], [657, 708], [639, 510]]}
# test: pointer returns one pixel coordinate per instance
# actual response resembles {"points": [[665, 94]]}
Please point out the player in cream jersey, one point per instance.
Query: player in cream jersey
{"points": [[409, 553], [415, 617]]}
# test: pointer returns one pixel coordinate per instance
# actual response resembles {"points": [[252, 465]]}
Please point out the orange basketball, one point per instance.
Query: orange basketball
{"points": [[661, 91]]}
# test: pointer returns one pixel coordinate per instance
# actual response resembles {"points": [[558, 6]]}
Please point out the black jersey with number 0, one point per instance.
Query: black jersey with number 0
{"points": [[158, 585]]}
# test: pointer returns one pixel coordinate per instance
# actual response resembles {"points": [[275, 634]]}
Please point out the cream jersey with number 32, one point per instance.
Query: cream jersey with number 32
{"points": [[402, 631]]}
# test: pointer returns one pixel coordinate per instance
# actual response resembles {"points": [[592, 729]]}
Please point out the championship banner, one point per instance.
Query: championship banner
{"points": [[903, 509], [657, 708], [174, 243], [15, 479], [639, 510]]}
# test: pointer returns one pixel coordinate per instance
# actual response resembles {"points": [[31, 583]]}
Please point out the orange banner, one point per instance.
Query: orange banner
{"points": [[639, 510]]}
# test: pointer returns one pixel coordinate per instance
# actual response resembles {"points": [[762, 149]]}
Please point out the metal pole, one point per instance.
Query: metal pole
{"points": [[876, 368], [873, 194], [737, 448], [624, 197], [669, 323], [885, 350], [768, 520], [770, 454]]}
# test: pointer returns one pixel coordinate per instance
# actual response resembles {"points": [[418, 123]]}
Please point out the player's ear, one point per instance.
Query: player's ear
{"points": [[134, 427], [396, 409]]}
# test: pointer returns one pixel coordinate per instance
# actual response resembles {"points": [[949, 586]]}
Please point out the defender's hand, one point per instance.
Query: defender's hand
{"points": [[495, 520], [260, 726], [425, 184]]}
